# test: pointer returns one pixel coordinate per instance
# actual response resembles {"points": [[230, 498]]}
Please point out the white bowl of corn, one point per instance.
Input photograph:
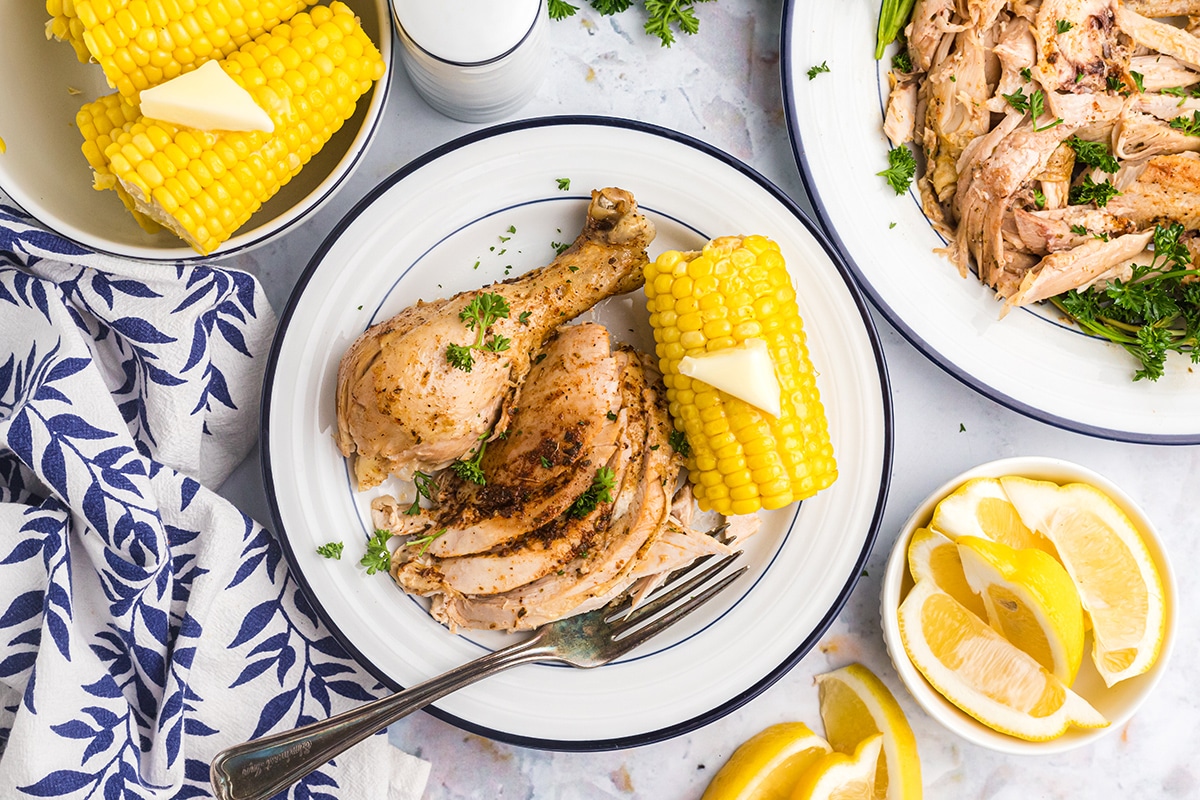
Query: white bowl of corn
{"points": [[1029, 605], [79, 156]]}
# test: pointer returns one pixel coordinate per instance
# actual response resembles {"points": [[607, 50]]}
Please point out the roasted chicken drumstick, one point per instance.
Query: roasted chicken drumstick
{"points": [[402, 406]]}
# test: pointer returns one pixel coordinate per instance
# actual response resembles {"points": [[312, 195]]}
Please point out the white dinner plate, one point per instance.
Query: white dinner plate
{"points": [[1030, 361], [466, 215]]}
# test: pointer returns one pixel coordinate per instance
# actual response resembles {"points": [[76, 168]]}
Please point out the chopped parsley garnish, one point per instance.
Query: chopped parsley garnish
{"points": [[545, 462], [817, 70], [1079, 230], [1063, 25], [902, 62], [1189, 126], [480, 313], [1114, 83], [1138, 81], [424, 485], [523, 317], [1018, 100], [1034, 104], [901, 169], [679, 443], [1091, 192], [560, 247], [564, 184], [378, 557], [611, 416], [1039, 198], [1155, 312], [599, 492], [1026, 74], [331, 550], [1094, 154], [424, 541]]}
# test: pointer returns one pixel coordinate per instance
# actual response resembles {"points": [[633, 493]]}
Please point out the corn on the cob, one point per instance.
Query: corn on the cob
{"points": [[141, 43], [100, 121], [64, 24], [307, 73], [741, 459]]}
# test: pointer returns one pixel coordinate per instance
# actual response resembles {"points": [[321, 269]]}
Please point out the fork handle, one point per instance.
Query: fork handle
{"points": [[261, 768]]}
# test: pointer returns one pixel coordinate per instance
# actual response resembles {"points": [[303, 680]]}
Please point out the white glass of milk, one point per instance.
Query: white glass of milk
{"points": [[474, 60]]}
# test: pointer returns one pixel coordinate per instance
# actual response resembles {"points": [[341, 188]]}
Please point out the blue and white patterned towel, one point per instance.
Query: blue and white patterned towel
{"points": [[145, 623]]}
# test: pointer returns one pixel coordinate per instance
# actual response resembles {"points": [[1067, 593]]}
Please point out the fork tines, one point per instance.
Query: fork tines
{"points": [[680, 585]]}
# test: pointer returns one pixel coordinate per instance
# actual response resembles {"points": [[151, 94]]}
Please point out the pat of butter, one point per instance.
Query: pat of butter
{"points": [[746, 372], [206, 99]]}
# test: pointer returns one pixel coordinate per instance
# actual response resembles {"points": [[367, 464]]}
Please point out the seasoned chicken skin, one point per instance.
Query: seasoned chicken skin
{"points": [[402, 407], [517, 553]]}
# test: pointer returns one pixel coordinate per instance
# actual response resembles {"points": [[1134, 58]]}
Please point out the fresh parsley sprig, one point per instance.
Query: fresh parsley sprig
{"points": [[902, 166], [479, 314], [424, 541], [663, 17], [331, 550], [378, 557], [1189, 126], [1091, 192], [424, 483], [818, 69], [469, 469], [599, 492], [1094, 154], [1155, 312]]}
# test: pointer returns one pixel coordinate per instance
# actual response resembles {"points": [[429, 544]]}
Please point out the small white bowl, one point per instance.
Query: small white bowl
{"points": [[44, 172], [1117, 704]]}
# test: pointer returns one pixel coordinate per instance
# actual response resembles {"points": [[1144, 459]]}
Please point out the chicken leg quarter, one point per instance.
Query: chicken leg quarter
{"points": [[402, 407]]}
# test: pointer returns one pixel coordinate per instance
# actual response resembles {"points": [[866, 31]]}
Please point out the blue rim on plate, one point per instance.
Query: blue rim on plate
{"points": [[273, 478], [1013, 392]]}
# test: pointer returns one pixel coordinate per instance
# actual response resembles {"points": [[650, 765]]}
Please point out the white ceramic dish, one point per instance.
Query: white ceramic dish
{"points": [[1029, 361], [44, 172], [457, 219], [1117, 704]]}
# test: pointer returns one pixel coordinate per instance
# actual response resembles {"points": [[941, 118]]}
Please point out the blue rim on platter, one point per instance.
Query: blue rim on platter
{"points": [[1030, 362], [340, 601]]}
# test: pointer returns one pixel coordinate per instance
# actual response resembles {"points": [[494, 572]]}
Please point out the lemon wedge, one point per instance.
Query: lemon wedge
{"points": [[933, 557], [838, 776], [980, 507], [978, 670], [1118, 583], [769, 764], [856, 705], [1030, 600]]}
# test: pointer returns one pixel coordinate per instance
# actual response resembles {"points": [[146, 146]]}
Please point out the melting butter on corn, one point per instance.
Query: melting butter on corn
{"points": [[206, 99], [746, 372]]}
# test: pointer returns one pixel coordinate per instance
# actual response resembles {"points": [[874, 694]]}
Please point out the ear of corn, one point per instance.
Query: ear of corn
{"points": [[141, 43], [307, 74], [66, 26], [741, 459]]}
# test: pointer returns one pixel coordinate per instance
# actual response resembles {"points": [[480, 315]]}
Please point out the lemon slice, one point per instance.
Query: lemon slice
{"points": [[856, 705], [768, 765], [838, 776], [1030, 600], [933, 557], [980, 507], [1118, 583], [979, 671]]}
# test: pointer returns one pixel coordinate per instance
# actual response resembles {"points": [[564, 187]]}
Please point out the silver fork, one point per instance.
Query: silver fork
{"points": [[258, 769]]}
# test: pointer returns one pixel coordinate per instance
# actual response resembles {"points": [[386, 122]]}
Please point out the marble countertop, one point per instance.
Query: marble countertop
{"points": [[722, 86]]}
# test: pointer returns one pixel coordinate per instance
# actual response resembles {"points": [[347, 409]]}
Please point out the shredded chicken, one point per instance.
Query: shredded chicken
{"points": [[1023, 106]]}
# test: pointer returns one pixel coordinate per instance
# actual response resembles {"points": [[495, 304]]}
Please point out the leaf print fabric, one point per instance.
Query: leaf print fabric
{"points": [[145, 623]]}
